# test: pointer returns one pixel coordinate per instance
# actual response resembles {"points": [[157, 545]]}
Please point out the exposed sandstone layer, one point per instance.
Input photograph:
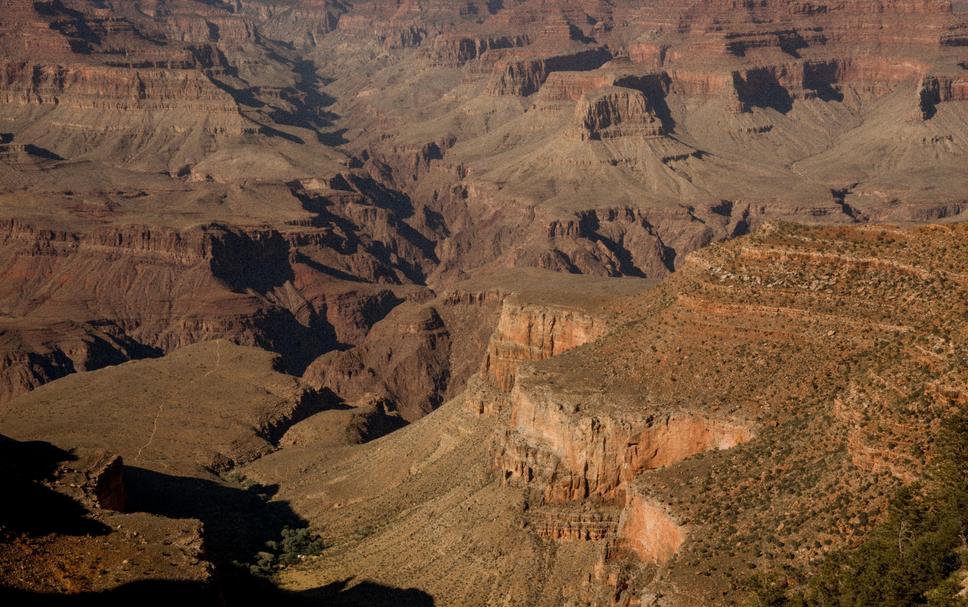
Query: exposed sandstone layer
{"points": [[583, 426], [759, 396], [576, 456], [534, 332], [650, 532], [614, 112], [314, 178]]}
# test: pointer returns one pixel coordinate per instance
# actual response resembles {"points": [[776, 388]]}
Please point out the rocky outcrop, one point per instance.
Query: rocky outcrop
{"points": [[778, 86], [132, 291], [418, 356], [935, 90], [648, 530], [525, 77], [33, 353], [573, 457], [453, 50], [562, 524], [300, 25], [66, 516], [105, 88], [405, 359], [614, 242], [535, 332], [616, 112], [106, 482], [101, 293], [564, 87], [368, 419]]}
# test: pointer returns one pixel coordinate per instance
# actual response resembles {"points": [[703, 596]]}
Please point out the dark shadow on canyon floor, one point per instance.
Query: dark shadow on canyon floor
{"points": [[237, 524], [158, 592], [37, 509]]}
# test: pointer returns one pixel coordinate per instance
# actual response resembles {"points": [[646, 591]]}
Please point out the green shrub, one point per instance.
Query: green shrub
{"points": [[292, 546], [912, 558]]}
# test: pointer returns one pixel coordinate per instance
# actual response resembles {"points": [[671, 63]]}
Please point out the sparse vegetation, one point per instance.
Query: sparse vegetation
{"points": [[914, 557], [292, 546]]}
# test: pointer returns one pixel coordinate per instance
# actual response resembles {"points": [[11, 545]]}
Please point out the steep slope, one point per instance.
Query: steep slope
{"points": [[412, 203], [756, 415], [379, 143]]}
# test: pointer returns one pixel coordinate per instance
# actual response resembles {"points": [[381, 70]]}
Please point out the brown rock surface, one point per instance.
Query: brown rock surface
{"points": [[63, 530], [337, 145], [531, 333], [392, 196], [664, 457], [171, 412]]}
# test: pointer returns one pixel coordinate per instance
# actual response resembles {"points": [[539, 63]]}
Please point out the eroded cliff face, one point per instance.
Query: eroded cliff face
{"points": [[568, 457], [524, 77], [418, 356], [600, 460], [134, 291], [935, 90], [405, 358], [757, 410], [650, 531], [535, 332], [614, 112]]}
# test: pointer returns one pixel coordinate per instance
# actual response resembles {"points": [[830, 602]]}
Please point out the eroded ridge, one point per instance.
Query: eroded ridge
{"points": [[763, 374], [754, 409]]}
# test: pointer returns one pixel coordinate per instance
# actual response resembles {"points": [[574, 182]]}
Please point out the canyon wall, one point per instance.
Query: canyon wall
{"points": [[535, 332]]}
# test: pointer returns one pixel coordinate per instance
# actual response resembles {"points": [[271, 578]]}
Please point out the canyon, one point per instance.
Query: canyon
{"points": [[520, 302]]}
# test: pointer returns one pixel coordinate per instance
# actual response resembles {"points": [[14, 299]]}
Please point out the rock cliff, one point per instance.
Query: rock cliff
{"points": [[746, 415], [534, 332], [450, 207]]}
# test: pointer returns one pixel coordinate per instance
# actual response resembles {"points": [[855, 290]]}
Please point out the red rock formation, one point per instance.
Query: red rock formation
{"points": [[616, 112], [453, 50], [535, 332], [526, 76], [93, 87], [650, 531], [935, 90], [568, 525], [572, 457], [569, 86]]}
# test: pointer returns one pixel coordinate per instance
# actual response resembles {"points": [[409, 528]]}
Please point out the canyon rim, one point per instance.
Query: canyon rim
{"points": [[595, 303]]}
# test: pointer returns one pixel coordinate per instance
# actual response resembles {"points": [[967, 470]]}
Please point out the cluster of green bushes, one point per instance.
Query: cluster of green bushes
{"points": [[914, 557], [293, 545]]}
